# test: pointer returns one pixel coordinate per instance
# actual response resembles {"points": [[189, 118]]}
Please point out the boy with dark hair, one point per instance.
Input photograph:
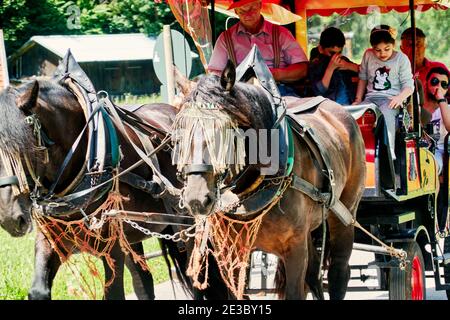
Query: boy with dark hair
{"points": [[331, 73]]}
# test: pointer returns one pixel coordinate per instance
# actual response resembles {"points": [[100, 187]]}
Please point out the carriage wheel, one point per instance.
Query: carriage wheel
{"points": [[447, 266], [409, 284]]}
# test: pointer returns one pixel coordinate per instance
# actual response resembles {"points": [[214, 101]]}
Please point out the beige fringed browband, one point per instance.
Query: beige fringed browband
{"points": [[222, 137], [11, 161]]}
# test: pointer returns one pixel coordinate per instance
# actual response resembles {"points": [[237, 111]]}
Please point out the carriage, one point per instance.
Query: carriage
{"points": [[407, 217]]}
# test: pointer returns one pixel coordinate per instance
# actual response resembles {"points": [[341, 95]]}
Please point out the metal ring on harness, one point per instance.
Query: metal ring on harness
{"points": [[102, 94]]}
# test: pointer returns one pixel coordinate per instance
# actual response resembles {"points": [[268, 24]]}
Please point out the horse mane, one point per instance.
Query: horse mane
{"points": [[245, 103]]}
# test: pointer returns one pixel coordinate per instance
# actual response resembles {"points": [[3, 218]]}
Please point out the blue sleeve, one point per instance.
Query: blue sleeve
{"points": [[316, 71]]}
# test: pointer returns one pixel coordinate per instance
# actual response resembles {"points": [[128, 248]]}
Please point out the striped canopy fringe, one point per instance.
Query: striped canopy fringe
{"points": [[216, 130]]}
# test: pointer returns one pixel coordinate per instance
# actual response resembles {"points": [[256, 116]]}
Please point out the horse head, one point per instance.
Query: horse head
{"points": [[209, 136], [33, 142]]}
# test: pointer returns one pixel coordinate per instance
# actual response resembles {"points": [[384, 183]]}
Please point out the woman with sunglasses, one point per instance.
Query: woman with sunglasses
{"points": [[436, 105]]}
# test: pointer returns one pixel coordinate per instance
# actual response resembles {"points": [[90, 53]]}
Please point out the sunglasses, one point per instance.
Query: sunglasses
{"points": [[435, 82]]}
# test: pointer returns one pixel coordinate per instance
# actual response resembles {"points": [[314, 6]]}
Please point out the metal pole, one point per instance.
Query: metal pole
{"points": [[213, 22], [4, 79], [168, 59], [415, 99], [373, 249]]}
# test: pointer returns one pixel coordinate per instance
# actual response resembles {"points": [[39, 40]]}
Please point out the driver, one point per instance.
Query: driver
{"points": [[254, 29]]}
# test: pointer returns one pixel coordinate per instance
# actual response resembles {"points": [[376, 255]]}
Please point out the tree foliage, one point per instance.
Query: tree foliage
{"points": [[22, 19]]}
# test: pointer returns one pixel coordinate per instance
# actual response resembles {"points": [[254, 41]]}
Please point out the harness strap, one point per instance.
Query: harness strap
{"points": [[138, 182], [309, 189], [137, 122], [338, 208], [149, 149], [62, 201], [71, 152], [230, 47], [143, 155]]}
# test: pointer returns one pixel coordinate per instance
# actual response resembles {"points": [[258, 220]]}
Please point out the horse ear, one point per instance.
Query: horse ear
{"points": [[228, 77], [28, 95], [183, 83]]}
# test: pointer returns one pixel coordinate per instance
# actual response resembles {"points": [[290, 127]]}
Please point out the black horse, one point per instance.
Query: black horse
{"points": [[61, 119]]}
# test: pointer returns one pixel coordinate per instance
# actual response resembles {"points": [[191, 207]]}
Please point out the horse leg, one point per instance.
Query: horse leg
{"points": [[46, 266], [115, 291], [313, 271], [295, 265], [341, 245], [142, 279]]}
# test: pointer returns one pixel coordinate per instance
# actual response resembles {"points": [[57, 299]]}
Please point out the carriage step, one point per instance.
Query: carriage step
{"points": [[444, 258]]}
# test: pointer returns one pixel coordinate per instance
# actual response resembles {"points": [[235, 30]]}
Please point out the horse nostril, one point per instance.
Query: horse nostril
{"points": [[22, 224], [195, 206], [208, 201]]}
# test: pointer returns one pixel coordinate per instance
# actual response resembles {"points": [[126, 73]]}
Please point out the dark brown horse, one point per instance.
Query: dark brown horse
{"points": [[61, 118], [217, 106]]}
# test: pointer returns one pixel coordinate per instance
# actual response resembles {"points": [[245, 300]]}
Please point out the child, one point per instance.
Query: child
{"points": [[330, 72], [386, 75]]}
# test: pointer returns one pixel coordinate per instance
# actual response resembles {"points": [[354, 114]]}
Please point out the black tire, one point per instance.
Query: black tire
{"points": [[447, 266], [409, 284]]}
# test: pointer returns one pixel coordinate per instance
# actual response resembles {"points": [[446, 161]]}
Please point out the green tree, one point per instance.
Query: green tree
{"points": [[22, 19]]}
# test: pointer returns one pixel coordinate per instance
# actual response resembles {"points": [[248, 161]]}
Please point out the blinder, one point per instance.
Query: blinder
{"points": [[8, 181], [197, 168]]}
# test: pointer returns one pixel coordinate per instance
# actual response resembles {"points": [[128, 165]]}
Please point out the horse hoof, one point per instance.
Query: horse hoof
{"points": [[39, 295]]}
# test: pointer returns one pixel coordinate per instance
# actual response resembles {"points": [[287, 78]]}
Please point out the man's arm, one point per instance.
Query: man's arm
{"points": [[291, 73], [219, 56]]}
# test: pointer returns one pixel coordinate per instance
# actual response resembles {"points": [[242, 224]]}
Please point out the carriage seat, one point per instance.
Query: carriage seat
{"points": [[358, 110]]}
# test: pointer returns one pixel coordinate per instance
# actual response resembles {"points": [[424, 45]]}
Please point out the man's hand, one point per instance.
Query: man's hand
{"points": [[396, 102], [439, 92]]}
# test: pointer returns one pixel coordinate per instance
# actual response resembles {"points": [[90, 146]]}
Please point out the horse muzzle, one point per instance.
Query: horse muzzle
{"points": [[199, 194], [17, 225]]}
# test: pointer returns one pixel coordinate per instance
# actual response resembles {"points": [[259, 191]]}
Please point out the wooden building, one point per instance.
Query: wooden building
{"points": [[117, 63]]}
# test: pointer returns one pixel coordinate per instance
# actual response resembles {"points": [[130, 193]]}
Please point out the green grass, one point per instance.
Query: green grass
{"points": [[17, 265], [130, 99]]}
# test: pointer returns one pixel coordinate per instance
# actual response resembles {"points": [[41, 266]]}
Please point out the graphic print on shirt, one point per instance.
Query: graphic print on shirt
{"points": [[381, 81]]}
